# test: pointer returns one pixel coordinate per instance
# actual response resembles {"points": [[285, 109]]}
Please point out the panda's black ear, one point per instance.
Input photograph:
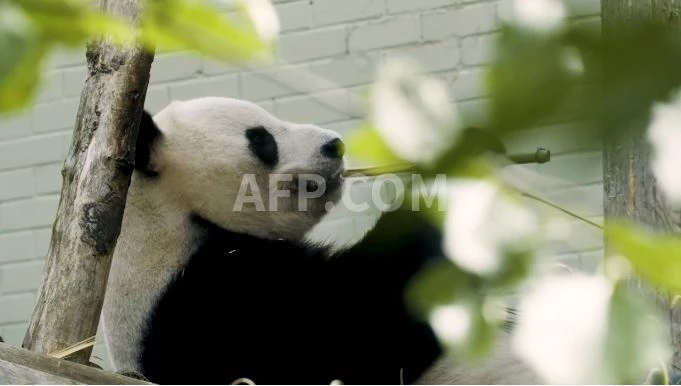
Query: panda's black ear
{"points": [[147, 138]]}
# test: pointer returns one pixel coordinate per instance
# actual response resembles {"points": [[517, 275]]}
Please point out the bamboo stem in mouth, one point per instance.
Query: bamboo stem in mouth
{"points": [[539, 156]]}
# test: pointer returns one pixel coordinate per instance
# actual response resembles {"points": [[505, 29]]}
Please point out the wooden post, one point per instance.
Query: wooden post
{"points": [[23, 367], [630, 188], [96, 176]]}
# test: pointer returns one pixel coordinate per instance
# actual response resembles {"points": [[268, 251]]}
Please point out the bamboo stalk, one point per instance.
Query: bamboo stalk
{"points": [[539, 156]]}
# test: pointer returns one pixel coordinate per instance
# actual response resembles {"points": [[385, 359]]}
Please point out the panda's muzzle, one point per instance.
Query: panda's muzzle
{"points": [[334, 149], [318, 184]]}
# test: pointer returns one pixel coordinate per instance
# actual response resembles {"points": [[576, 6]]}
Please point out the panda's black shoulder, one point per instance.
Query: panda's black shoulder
{"points": [[281, 312], [229, 295]]}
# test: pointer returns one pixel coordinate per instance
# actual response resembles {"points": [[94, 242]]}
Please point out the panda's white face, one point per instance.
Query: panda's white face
{"points": [[234, 164]]}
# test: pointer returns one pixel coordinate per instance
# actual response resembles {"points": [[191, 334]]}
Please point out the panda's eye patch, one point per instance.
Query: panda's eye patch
{"points": [[263, 146]]}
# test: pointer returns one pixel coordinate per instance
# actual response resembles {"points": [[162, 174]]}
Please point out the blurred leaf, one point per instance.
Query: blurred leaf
{"points": [[181, 25], [17, 90], [71, 23], [636, 341], [515, 269], [439, 283], [367, 144], [528, 80], [656, 257], [17, 39]]}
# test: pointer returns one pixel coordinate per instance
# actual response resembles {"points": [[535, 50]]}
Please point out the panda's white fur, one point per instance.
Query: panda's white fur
{"points": [[200, 161]]}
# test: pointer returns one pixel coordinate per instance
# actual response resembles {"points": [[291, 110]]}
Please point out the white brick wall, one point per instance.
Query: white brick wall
{"points": [[329, 49]]}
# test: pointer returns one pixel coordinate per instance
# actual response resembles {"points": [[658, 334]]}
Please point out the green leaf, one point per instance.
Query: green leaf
{"points": [[18, 38], [528, 80], [72, 23], [656, 257], [439, 283], [636, 341], [18, 89], [367, 145], [180, 25]]}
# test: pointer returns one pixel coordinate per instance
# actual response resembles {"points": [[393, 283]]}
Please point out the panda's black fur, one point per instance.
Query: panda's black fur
{"points": [[286, 313], [280, 312]]}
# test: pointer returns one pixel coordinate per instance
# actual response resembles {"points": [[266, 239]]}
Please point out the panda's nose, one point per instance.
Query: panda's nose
{"points": [[335, 148]]}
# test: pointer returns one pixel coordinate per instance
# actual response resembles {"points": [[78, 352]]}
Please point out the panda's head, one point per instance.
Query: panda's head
{"points": [[232, 163]]}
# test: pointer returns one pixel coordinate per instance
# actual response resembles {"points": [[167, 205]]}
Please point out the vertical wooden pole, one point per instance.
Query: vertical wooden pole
{"points": [[96, 176]]}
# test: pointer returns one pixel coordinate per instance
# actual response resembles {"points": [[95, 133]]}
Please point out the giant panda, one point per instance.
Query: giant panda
{"points": [[201, 291]]}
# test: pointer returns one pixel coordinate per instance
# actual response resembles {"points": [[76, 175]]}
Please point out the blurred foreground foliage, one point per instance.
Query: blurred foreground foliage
{"points": [[31, 29], [606, 83]]}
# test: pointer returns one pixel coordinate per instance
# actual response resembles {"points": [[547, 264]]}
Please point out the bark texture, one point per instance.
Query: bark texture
{"points": [[23, 367], [96, 176], [630, 188]]}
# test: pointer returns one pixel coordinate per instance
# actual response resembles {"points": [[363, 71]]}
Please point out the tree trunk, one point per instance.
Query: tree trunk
{"points": [[96, 176], [630, 188]]}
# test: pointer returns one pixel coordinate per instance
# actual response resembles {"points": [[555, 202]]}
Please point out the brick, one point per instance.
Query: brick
{"points": [[308, 45], [334, 11], [74, 80], [387, 33], [16, 308], [277, 82], [31, 213], [226, 86], [47, 178], [16, 246], [469, 84], [458, 22], [345, 127], [157, 98], [35, 150], [412, 5], [175, 66], [54, 116], [431, 57], [216, 67], [21, 277], [308, 78], [572, 169], [329, 106], [16, 184], [41, 242], [477, 50], [351, 70], [15, 125], [14, 334], [587, 200], [294, 16], [67, 57], [51, 86]]}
